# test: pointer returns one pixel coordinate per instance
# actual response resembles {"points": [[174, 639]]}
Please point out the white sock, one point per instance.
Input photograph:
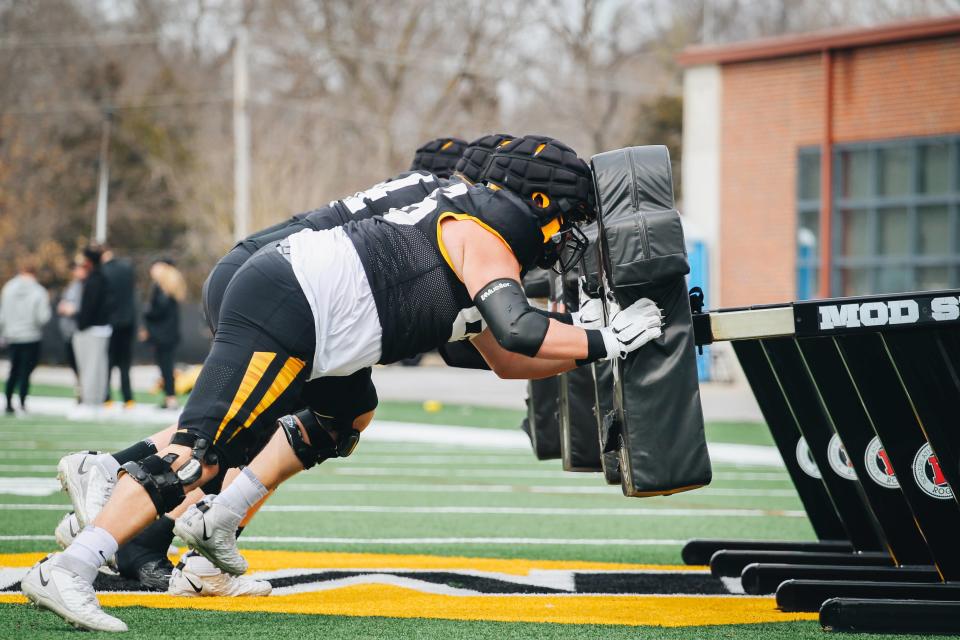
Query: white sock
{"points": [[93, 547], [243, 493]]}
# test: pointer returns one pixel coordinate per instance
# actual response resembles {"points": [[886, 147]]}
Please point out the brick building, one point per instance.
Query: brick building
{"points": [[847, 139]]}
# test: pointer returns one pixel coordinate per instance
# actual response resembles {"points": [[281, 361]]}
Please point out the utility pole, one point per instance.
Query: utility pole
{"points": [[103, 185], [241, 138]]}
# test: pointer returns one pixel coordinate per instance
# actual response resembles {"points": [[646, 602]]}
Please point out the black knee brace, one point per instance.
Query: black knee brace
{"points": [[321, 432], [161, 482], [201, 453]]}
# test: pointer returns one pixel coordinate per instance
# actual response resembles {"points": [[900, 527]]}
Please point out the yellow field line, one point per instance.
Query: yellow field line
{"points": [[261, 560]]}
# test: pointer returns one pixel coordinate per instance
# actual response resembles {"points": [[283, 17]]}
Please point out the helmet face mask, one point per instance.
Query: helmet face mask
{"points": [[564, 250]]}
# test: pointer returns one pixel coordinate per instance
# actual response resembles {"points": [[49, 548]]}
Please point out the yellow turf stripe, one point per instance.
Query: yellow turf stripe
{"points": [[255, 370], [290, 369], [397, 602], [261, 560]]}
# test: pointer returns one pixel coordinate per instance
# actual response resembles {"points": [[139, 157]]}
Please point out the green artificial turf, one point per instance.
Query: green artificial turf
{"points": [[26, 622], [393, 481]]}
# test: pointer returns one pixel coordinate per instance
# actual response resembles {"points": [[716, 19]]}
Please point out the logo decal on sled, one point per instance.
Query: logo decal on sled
{"points": [[805, 459], [878, 465], [839, 459], [929, 476]]}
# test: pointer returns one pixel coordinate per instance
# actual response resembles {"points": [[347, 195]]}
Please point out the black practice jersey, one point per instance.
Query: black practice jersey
{"points": [[407, 188], [416, 291]]}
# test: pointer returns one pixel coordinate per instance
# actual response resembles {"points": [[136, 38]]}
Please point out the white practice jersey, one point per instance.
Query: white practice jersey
{"points": [[346, 323]]}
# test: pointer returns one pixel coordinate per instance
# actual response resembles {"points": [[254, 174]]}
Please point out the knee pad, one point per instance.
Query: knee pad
{"points": [[321, 432], [203, 450], [161, 482]]}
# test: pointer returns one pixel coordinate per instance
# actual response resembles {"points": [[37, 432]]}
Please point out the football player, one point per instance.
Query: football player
{"points": [[327, 304], [89, 477]]}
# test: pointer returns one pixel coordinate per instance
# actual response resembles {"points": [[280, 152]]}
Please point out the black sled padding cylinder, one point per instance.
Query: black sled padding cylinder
{"points": [[605, 415], [542, 423], [579, 440], [602, 374], [657, 425]]}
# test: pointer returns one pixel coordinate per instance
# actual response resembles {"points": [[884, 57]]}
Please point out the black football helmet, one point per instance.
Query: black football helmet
{"points": [[439, 156], [557, 185], [477, 154]]}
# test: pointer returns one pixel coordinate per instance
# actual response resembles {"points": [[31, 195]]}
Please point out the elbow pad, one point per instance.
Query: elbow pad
{"points": [[516, 325]]}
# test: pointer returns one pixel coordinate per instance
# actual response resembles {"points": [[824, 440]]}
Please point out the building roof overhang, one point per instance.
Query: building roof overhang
{"points": [[818, 41]]}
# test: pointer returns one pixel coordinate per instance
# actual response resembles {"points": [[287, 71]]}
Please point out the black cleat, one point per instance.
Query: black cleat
{"points": [[155, 574]]}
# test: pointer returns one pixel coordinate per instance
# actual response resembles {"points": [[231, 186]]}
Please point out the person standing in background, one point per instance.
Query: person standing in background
{"points": [[67, 310], [119, 276], [24, 310], [92, 339], [162, 322]]}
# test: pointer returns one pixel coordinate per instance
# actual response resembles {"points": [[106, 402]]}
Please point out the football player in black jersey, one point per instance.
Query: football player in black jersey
{"points": [[328, 303], [145, 557]]}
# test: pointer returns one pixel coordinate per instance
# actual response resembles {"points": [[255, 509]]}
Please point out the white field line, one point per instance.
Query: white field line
{"points": [[459, 473], [29, 468], [589, 542], [383, 431], [417, 541], [536, 511], [48, 486], [513, 511], [521, 473], [34, 487], [509, 488], [23, 455]]}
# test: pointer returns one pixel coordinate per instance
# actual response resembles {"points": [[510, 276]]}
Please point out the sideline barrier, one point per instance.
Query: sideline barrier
{"points": [[870, 384]]}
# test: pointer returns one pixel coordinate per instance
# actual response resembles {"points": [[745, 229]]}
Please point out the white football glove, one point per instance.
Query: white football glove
{"points": [[632, 328], [590, 315]]}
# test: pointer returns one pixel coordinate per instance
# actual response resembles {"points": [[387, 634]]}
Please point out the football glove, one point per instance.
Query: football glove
{"points": [[632, 328]]}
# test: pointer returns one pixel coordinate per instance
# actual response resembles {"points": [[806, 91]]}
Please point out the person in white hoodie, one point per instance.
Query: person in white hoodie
{"points": [[24, 310]]}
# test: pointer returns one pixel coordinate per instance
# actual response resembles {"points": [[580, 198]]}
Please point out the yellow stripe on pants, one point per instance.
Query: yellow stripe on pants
{"points": [[255, 370], [287, 374]]}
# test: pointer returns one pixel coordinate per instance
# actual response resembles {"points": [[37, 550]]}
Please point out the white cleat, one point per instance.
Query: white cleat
{"points": [[88, 477], [73, 472], [103, 478], [67, 530], [64, 586], [194, 577], [210, 529]]}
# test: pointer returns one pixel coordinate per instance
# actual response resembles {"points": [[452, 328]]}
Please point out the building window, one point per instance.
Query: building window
{"points": [[808, 223], [896, 217]]}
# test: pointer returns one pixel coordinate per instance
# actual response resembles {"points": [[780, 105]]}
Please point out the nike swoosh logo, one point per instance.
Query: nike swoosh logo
{"points": [[205, 536], [195, 587], [81, 470], [73, 532], [102, 556], [43, 581]]}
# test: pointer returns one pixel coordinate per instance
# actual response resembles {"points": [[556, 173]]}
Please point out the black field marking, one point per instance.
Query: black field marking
{"points": [[603, 583]]}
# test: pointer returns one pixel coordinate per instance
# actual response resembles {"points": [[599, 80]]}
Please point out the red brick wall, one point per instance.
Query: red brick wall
{"points": [[771, 108]]}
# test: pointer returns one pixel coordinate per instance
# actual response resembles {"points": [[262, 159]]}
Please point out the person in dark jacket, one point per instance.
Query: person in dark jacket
{"points": [[119, 276], [92, 338], [162, 322]]}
